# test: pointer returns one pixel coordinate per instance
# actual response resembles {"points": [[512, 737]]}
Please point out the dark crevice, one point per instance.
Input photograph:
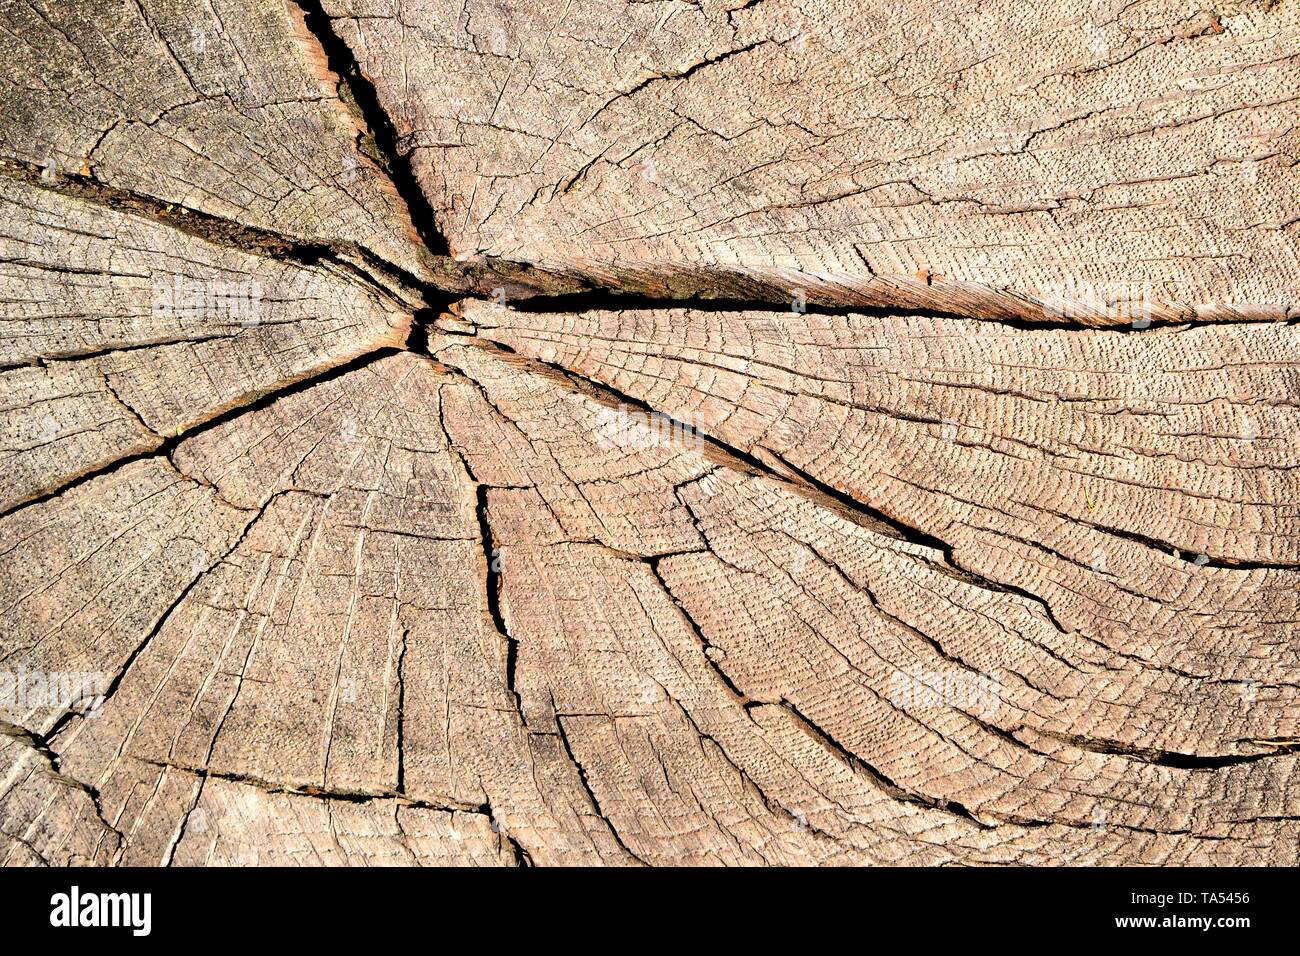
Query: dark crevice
{"points": [[84, 354], [933, 643], [184, 826], [492, 587], [764, 461], [591, 794], [417, 340], [40, 745], [689, 71], [401, 714], [357, 89], [917, 536], [401, 286], [446, 281], [895, 528], [713, 289], [767, 297], [1177, 551], [531, 288], [1167, 758], [168, 445], [79, 480], [1098, 826], [317, 793], [771, 804], [534, 289], [117, 397], [606, 395], [609, 395], [706, 647], [522, 858], [192, 222], [880, 779]]}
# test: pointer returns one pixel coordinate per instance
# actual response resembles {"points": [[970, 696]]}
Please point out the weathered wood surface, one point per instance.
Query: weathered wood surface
{"points": [[950, 154], [321, 543]]}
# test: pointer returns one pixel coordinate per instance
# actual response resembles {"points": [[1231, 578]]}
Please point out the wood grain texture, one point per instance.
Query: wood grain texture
{"points": [[370, 496], [226, 108], [120, 332], [1089, 158]]}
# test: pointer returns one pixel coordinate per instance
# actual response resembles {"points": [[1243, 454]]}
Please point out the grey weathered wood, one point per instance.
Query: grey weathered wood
{"points": [[1106, 160], [307, 561], [226, 108]]}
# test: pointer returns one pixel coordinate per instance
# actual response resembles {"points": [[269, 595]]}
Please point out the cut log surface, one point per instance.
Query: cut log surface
{"points": [[227, 108], [1015, 157], [119, 332], [649, 434]]}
